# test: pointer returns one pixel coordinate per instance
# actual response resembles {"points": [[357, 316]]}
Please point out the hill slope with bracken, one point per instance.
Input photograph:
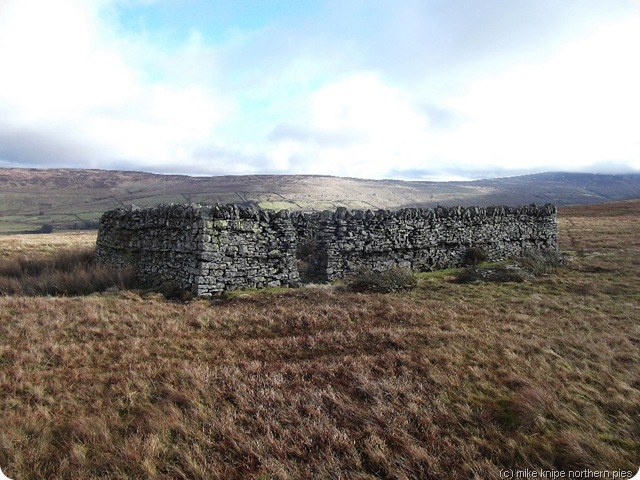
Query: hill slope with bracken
{"points": [[75, 198]]}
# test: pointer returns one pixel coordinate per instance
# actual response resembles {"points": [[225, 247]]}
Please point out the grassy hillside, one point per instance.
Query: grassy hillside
{"points": [[66, 198], [450, 381]]}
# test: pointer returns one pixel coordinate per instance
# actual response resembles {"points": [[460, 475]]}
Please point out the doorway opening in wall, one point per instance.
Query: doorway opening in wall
{"points": [[304, 255]]}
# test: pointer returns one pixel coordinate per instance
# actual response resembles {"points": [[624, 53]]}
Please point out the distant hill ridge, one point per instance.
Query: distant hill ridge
{"points": [[75, 198]]}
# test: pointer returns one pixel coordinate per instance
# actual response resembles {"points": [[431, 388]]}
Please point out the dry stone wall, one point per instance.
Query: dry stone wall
{"points": [[210, 249], [204, 249], [426, 239]]}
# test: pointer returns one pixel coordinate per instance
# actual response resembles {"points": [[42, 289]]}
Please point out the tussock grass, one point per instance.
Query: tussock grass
{"points": [[474, 255], [65, 272], [532, 263], [393, 279], [449, 381], [540, 262]]}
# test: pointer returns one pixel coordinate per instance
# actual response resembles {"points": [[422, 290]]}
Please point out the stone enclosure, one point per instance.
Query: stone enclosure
{"points": [[211, 249]]}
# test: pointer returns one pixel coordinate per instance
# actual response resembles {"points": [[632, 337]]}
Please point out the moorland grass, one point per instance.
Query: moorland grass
{"points": [[448, 381], [65, 272]]}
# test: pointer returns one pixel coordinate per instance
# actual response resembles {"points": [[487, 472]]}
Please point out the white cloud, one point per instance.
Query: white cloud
{"points": [[65, 75], [580, 107], [576, 109], [77, 89], [357, 126]]}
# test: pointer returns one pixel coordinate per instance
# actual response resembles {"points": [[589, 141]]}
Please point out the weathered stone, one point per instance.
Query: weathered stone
{"points": [[208, 249], [188, 245]]}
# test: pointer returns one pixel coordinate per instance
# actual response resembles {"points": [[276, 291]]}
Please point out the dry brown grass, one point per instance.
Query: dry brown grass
{"points": [[448, 381], [64, 272], [30, 244]]}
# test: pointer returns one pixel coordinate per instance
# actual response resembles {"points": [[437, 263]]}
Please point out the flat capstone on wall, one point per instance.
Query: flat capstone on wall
{"points": [[211, 249]]}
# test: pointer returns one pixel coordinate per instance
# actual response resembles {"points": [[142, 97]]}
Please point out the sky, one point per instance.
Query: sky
{"points": [[397, 89]]}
